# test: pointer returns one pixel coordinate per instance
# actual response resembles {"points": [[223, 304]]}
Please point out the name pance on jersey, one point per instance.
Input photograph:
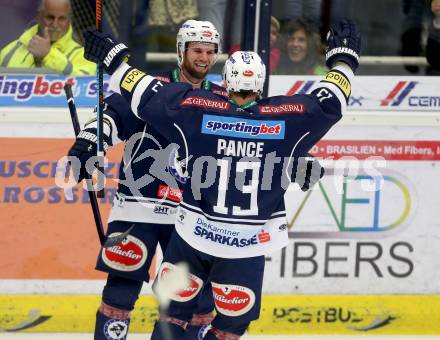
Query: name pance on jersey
{"points": [[239, 148]]}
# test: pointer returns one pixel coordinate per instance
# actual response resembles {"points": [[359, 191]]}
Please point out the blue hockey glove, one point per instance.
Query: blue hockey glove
{"points": [[84, 148], [343, 44], [101, 48]]}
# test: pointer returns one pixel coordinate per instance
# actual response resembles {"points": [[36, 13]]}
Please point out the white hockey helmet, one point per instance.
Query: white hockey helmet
{"points": [[244, 70], [196, 31]]}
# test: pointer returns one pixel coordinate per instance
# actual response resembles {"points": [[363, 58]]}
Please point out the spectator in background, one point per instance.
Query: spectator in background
{"points": [[304, 51], [213, 11], [433, 44], [49, 43], [164, 19], [415, 12], [275, 52]]}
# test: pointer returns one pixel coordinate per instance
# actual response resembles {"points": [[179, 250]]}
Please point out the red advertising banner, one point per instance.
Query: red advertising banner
{"points": [[393, 150]]}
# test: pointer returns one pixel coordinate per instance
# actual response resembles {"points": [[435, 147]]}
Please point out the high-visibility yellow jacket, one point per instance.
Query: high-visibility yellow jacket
{"points": [[66, 56]]}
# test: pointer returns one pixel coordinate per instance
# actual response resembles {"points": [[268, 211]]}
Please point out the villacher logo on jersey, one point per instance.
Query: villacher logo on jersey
{"points": [[245, 128]]}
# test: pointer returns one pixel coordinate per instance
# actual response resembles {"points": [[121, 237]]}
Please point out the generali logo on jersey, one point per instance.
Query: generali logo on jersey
{"points": [[283, 108], [232, 300], [127, 256], [206, 103]]}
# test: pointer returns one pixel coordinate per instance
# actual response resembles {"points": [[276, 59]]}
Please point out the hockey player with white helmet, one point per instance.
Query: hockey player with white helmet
{"points": [[196, 31], [148, 204], [239, 160], [244, 71]]}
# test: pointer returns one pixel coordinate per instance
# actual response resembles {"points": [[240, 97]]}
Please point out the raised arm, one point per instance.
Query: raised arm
{"points": [[329, 98], [342, 58]]}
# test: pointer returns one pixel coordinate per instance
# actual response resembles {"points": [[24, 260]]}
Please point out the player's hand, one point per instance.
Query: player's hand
{"points": [[85, 148], [309, 172], [101, 48], [343, 44]]}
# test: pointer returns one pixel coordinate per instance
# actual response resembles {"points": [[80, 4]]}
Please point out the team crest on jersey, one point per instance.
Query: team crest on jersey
{"points": [[127, 256], [177, 167], [283, 108], [243, 128], [206, 103], [232, 300], [195, 284], [116, 329]]}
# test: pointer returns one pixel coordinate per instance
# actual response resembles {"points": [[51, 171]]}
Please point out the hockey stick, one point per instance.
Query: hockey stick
{"points": [[100, 106], [111, 241]]}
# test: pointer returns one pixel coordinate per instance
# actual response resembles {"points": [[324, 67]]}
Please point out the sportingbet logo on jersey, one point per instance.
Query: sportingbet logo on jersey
{"points": [[243, 128]]}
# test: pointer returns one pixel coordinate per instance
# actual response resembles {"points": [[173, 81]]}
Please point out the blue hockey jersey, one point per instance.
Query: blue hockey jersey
{"points": [[239, 158], [141, 197]]}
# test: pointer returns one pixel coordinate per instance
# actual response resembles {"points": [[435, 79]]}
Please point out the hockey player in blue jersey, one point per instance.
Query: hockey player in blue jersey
{"points": [[148, 203], [149, 206], [239, 159]]}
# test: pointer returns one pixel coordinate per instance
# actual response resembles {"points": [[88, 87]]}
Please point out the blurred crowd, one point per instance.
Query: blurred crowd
{"points": [[47, 33]]}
